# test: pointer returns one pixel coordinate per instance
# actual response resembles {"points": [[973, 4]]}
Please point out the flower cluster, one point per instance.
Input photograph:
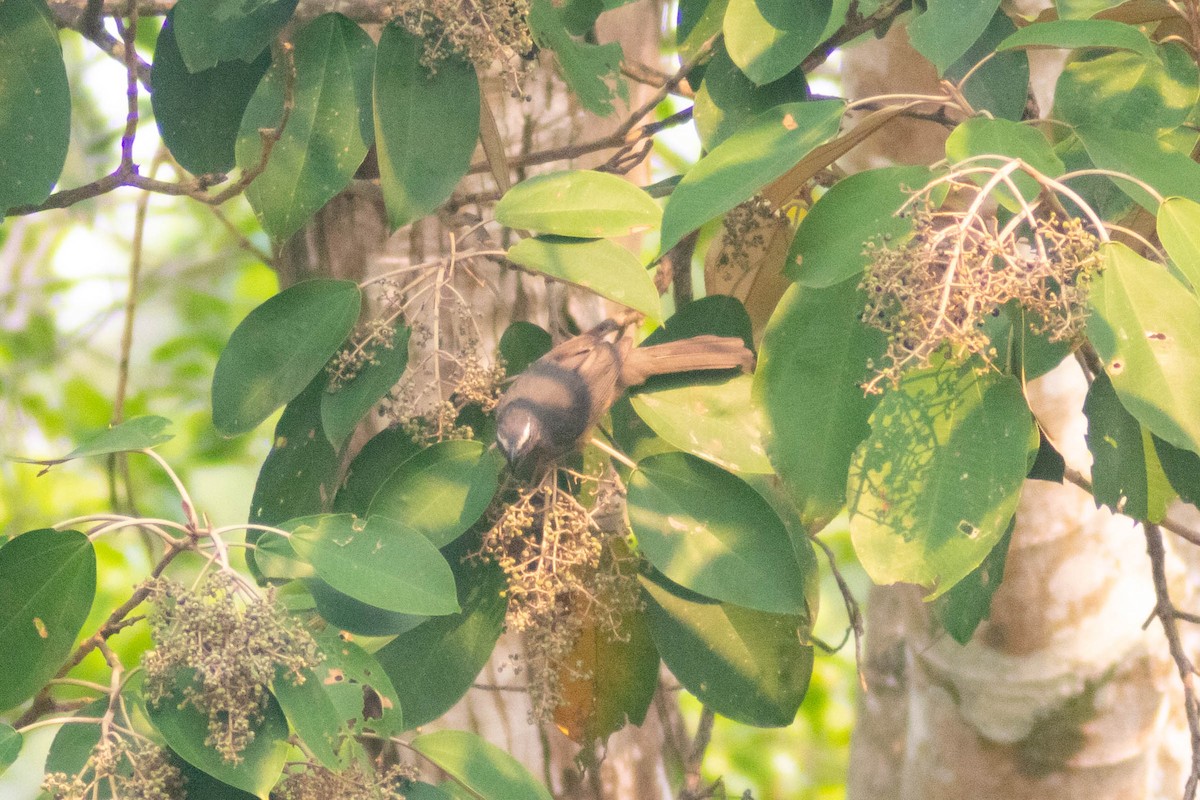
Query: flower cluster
{"points": [[486, 32], [356, 782], [132, 769]]}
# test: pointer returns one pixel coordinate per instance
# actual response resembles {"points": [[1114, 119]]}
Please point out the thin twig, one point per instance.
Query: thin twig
{"points": [[853, 612], [691, 789]]}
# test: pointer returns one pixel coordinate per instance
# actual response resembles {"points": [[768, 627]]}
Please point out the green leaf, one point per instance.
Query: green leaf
{"points": [[484, 769], [1048, 464], [712, 533], [327, 134], [343, 409], [759, 152], [592, 71], [373, 465], [1080, 33], [580, 203], [441, 491], [186, 728], [359, 687], [137, 433], [434, 664], [934, 486], [427, 791], [746, 665], [47, 585], [278, 349], [833, 238], [198, 113], [727, 98], [1179, 231], [969, 602], [1126, 91], [198, 785], [598, 265], [1143, 156], [36, 99], [697, 22], [522, 344], [981, 136], [10, 746], [768, 39], [1145, 326], [380, 562], [715, 421], [1084, 9], [312, 714], [296, 479], [999, 85], [212, 31], [1182, 468], [426, 125], [809, 379], [1114, 439], [948, 28], [354, 616]]}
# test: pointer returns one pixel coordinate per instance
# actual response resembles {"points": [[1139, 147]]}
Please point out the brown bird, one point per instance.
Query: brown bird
{"points": [[551, 408]]}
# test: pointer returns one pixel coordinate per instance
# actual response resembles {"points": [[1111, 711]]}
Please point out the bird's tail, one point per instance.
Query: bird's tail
{"points": [[686, 355]]}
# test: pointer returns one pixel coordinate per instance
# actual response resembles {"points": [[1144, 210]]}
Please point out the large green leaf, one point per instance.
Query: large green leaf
{"points": [[485, 770], [47, 584], [426, 125], [698, 21], [593, 71], [713, 420], [1179, 231], [522, 344], [1144, 156], [1114, 439], [581, 203], [137, 433], [311, 713], [327, 134], [342, 410], [373, 465], [746, 665], [768, 39], [1079, 33], [998, 82], [358, 686], [435, 664], [727, 98], [1182, 469], [354, 616], [948, 28], [831, 242], [811, 368], [969, 602], [712, 533], [1145, 325], [185, 729], [934, 486], [379, 561], [759, 152], [35, 122], [10, 746], [212, 31], [441, 491], [198, 113], [982, 136], [278, 349], [1127, 91], [598, 265]]}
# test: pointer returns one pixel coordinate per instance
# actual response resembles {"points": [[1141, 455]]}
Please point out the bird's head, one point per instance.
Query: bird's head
{"points": [[518, 432]]}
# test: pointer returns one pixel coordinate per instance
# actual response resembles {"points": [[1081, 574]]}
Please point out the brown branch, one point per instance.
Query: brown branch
{"points": [[1167, 615], [853, 612], [1072, 475], [86, 20], [856, 25], [691, 789]]}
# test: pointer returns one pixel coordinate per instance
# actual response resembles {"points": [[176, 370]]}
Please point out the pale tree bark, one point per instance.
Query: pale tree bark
{"points": [[349, 239], [1065, 691]]}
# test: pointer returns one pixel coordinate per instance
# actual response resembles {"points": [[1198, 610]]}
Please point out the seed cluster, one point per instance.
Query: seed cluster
{"points": [[744, 239], [232, 643], [131, 769], [363, 349], [356, 782], [486, 32], [933, 292], [563, 573]]}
